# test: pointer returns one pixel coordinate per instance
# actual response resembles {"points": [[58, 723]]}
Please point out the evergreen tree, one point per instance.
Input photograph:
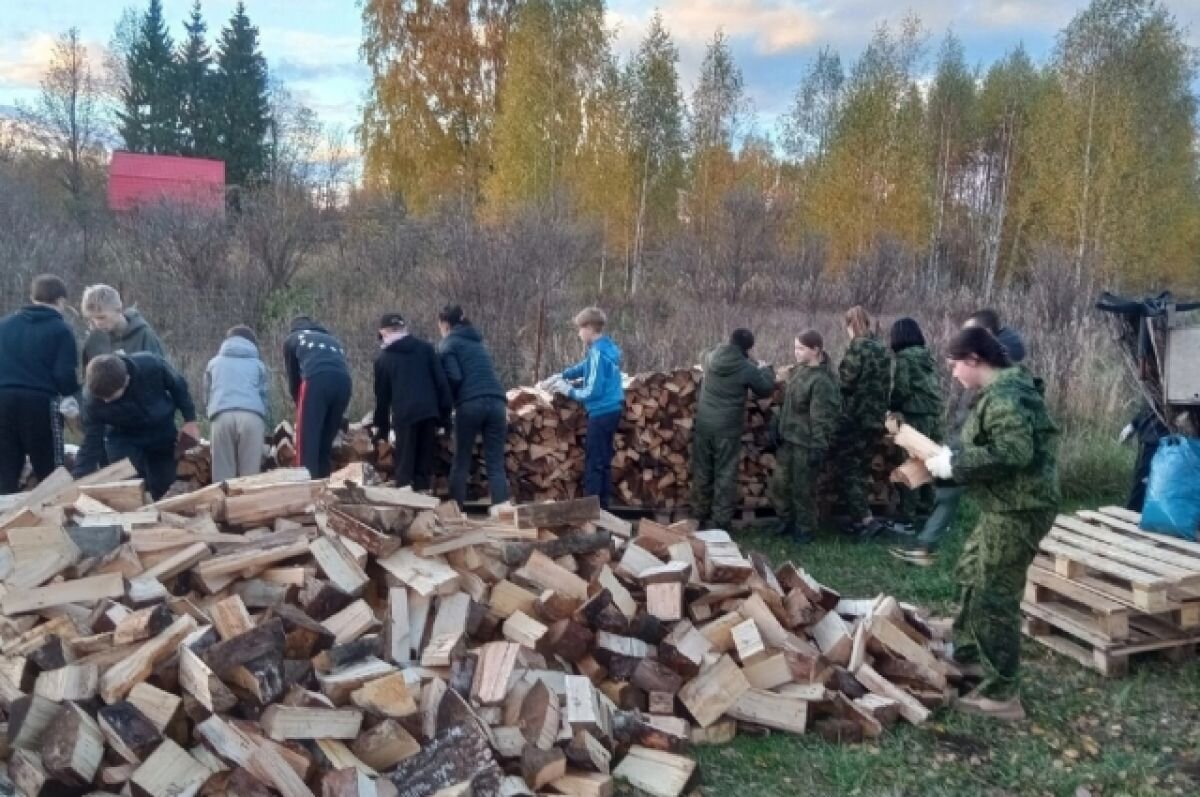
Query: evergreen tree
{"points": [[149, 117], [197, 107], [242, 94]]}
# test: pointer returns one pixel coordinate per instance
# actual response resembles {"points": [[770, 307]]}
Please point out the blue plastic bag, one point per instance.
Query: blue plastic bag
{"points": [[1173, 490]]}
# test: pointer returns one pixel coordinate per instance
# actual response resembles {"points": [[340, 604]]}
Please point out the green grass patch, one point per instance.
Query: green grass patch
{"points": [[1086, 734]]}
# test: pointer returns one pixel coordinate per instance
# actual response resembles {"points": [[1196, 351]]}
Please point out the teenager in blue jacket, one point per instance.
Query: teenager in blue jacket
{"points": [[596, 383]]}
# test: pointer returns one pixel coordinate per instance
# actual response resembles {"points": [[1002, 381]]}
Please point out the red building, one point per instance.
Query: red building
{"points": [[135, 179]]}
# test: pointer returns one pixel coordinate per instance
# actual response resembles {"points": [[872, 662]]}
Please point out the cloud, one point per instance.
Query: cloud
{"points": [[25, 59], [774, 26]]}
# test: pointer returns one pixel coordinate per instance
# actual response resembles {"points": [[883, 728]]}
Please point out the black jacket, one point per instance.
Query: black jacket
{"points": [[410, 385], [309, 350], [145, 414], [37, 352], [468, 365]]}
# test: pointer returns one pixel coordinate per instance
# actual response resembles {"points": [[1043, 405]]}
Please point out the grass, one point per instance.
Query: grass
{"points": [[1086, 735]]}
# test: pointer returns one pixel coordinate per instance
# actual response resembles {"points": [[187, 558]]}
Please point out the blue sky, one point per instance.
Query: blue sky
{"points": [[312, 45]]}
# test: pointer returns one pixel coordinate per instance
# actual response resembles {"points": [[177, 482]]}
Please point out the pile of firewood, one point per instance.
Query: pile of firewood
{"points": [[544, 451], [279, 635]]}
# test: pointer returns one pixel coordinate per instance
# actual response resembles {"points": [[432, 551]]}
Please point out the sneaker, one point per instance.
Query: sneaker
{"points": [[1009, 710], [901, 528], [869, 530], [917, 555]]}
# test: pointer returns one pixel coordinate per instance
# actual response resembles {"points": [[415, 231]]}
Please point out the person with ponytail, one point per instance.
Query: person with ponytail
{"points": [[865, 374], [803, 429], [1007, 462], [480, 407]]}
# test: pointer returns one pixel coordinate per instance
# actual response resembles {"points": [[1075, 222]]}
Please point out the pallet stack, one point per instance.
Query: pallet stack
{"points": [[1101, 590], [280, 635]]}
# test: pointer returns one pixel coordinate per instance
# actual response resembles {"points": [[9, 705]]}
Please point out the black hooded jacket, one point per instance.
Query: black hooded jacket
{"points": [[468, 365], [145, 414], [37, 352], [410, 385]]}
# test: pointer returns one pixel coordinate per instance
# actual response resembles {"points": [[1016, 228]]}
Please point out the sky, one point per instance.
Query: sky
{"points": [[312, 45]]}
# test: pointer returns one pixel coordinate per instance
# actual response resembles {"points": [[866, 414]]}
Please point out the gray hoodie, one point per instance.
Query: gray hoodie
{"points": [[138, 336], [236, 379]]}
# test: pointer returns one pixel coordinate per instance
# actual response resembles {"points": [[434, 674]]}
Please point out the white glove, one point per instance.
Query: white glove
{"points": [[940, 464], [69, 407], [1126, 433], [548, 382], [560, 385]]}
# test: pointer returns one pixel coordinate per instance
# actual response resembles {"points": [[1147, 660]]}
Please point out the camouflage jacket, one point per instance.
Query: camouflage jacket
{"points": [[728, 372], [811, 406], [915, 386], [866, 377], [1008, 457]]}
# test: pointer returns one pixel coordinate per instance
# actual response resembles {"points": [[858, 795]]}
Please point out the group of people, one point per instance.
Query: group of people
{"points": [[999, 447]]}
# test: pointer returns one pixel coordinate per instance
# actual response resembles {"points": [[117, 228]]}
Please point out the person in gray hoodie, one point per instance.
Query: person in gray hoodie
{"points": [[113, 330], [235, 389]]}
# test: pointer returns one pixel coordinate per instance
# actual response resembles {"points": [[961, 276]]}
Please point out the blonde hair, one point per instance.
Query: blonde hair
{"points": [[101, 299], [592, 317], [859, 321]]}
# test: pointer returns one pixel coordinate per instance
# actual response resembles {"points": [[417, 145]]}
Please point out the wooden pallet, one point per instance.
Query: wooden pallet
{"points": [[1070, 632], [1158, 573]]}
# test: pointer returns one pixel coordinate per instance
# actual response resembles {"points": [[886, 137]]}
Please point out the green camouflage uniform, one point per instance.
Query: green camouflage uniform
{"points": [[1008, 464], [806, 425], [866, 376], [917, 395], [717, 439]]}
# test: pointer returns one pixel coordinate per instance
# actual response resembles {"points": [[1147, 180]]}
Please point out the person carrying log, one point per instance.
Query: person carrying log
{"points": [[917, 396], [865, 374], [113, 330], [412, 399], [320, 383], [479, 404], [802, 432], [720, 413], [922, 551], [597, 385], [37, 368], [135, 397], [1007, 461]]}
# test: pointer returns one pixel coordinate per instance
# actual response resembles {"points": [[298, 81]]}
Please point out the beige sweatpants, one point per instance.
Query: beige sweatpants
{"points": [[237, 444]]}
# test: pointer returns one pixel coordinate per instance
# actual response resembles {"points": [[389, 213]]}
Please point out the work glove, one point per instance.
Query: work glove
{"points": [[560, 385], [548, 382], [69, 408], [1126, 433], [941, 465]]}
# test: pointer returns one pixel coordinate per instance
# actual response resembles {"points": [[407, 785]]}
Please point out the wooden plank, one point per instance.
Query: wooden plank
{"points": [[714, 691], [1066, 530], [771, 710], [1102, 564], [82, 590], [655, 772]]}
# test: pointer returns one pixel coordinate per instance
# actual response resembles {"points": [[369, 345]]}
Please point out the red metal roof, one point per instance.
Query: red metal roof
{"points": [[136, 179]]}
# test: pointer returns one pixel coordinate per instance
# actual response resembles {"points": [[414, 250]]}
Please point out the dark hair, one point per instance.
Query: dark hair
{"points": [[743, 339], [979, 343], [106, 374], [906, 333], [453, 315], [988, 319], [811, 339], [47, 289], [242, 331]]}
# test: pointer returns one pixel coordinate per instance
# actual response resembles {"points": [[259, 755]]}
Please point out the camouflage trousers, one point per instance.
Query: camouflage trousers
{"points": [[715, 461], [918, 503], [793, 488], [991, 575], [851, 452]]}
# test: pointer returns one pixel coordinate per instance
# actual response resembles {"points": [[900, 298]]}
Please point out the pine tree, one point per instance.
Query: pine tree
{"points": [[242, 94], [197, 107], [149, 116]]}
